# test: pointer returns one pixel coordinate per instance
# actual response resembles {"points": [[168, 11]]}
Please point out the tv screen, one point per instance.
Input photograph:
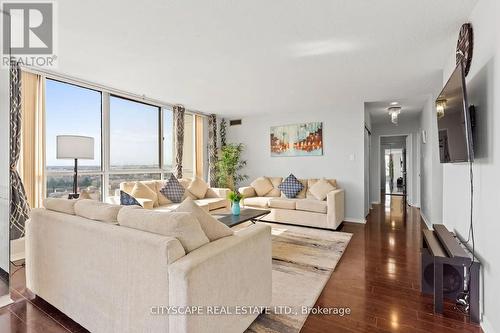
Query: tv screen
{"points": [[454, 123]]}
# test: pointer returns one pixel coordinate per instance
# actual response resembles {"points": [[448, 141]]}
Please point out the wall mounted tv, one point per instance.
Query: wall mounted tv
{"points": [[454, 120]]}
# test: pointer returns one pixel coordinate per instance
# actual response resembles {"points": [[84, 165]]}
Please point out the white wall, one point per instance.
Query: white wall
{"points": [[342, 141], [483, 83], [407, 126], [431, 171]]}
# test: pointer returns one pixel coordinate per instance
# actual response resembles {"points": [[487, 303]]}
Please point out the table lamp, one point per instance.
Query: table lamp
{"points": [[75, 147]]}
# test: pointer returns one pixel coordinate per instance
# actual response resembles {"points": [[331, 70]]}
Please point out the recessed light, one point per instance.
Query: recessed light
{"points": [[394, 103]]}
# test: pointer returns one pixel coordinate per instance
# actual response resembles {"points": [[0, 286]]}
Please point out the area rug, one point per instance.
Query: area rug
{"points": [[303, 261]]}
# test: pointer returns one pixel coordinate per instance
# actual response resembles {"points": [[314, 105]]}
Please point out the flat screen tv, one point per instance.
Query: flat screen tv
{"points": [[454, 120]]}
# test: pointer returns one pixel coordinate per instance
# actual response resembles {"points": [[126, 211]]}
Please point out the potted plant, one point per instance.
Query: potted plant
{"points": [[229, 166], [235, 198]]}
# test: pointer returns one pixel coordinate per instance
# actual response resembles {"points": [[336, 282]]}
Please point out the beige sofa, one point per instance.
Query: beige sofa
{"points": [[112, 278], [215, 198], [304, 210]]}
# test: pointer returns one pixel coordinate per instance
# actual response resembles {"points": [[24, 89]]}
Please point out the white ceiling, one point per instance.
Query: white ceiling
{"points": [[410, 108], [244, 57]]}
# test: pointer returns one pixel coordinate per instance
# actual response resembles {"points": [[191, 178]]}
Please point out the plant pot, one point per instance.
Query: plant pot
{"points": [[235, 208]]}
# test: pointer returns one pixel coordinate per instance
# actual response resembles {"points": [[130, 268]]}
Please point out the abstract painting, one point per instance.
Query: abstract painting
{"points": [[305, 139]]}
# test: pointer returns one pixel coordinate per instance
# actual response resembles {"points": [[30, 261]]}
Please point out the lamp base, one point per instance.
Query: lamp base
{"points": [[73, 196]]}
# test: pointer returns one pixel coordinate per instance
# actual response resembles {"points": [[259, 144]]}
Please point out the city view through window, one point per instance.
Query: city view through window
{"points": [[134, 140]]}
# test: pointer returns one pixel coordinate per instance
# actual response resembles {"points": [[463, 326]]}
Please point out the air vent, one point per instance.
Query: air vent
{"points": [[235, 122]]}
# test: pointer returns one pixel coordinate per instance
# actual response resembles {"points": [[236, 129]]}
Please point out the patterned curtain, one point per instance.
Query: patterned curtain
{"points": [[179, 139], [19, 207], [212, 149]]}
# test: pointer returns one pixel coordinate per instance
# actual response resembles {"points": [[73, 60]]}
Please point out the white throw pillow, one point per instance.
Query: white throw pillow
{"points": [[321, 189], [142, 191], [96, 210], [60, 205], [183, 226], [213, 228], [262, 186], [198, 187]]}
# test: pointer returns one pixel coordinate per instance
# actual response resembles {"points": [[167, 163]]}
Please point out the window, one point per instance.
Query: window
{"points": [[73, 110], [134, 135], [133, 140]]}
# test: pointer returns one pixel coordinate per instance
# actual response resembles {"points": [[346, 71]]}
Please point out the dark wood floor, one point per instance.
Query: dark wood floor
{"points": [[377, 278]]}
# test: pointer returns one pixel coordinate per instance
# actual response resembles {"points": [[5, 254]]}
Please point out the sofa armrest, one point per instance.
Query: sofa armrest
{"points": [[216, 192], [335, 201], [231, 271]]}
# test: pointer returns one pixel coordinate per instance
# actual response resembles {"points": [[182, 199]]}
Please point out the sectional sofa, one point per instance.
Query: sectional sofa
{"points": [[212, 199], [305, 209], [90, 261]]}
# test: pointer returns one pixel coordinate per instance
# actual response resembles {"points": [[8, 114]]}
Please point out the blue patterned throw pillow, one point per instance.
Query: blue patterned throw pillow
{"points": [[291, 186], [173, 190], [128, 200]]}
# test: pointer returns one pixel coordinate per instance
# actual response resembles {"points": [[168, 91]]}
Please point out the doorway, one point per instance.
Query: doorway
{"points": [[394, 166]]}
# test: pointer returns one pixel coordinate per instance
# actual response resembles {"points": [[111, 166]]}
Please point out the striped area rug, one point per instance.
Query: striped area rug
{"points": [[303, 261]]}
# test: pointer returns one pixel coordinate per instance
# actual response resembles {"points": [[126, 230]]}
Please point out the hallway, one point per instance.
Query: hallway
{"points": [[378, 278]]}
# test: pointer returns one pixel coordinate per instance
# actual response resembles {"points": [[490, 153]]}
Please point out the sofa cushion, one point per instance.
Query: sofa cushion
{"points": [[262, 186], [162, 199], [173, 190], [247, 191], [212, 227], [143, 191], [198, 187], [321, 188], [275, 192], [128, 200], [312, 181], [185, 182], [291, 186], [261, 202], [282, 203], [60, 205], [96, 210], [311, 205], [183, 226]]}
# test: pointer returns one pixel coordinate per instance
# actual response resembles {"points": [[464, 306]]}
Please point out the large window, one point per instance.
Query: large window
{"points": [[72, 110], [133, 140], [134, 135]]}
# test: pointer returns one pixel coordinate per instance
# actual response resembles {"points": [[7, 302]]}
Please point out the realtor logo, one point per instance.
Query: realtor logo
{"points": [[28, 32]]}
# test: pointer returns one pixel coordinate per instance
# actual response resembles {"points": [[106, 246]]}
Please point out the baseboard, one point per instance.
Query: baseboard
{"points": [[426, 220], [354, 220], [17, 250], [486, 325]]}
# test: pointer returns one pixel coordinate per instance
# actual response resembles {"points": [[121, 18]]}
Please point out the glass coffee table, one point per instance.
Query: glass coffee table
{"points": [[246, 214]]}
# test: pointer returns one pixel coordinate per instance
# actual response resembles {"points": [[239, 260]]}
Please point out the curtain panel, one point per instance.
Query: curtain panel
{"points": [[199, 128], [19, 207], [212, 150], [178, 138], [31, 164]]}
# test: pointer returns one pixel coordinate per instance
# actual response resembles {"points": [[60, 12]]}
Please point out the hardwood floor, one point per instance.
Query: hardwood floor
{"points": [[377, 278]]}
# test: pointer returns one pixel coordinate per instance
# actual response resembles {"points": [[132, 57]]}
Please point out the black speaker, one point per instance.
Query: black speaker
{"points": [[453, 277]]}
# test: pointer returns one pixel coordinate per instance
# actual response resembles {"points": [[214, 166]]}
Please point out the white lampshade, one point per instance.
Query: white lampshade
{"points": [[75, 146]]}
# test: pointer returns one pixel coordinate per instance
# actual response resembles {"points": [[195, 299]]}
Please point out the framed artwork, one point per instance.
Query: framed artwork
{"points": [[304, 139]]}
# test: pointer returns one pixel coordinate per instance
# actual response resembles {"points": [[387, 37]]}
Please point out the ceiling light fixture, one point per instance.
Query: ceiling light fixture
{"points": [[394, 112], [440, 107], [394, 103]]}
